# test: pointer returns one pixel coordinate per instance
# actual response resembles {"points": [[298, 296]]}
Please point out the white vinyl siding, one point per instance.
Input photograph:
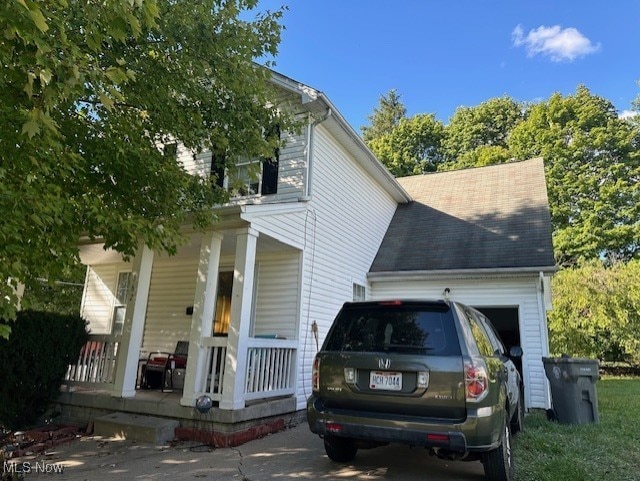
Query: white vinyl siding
{"points": [[172, 291], [99, 296], [276, 309], [520, 293], [348, 216], [291, 167]]}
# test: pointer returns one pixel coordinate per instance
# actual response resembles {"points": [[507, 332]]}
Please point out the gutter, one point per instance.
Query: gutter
{"points": [[311, 127], [461, 273]]}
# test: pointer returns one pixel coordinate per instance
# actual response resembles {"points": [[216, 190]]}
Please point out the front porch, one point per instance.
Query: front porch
{"points": [[242, 345], [270, 370], [218, 427]]}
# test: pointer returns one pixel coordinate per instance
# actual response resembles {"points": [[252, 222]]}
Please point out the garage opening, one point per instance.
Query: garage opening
{"points": [[505, 320]]}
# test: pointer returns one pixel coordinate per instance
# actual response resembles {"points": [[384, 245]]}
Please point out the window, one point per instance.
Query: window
{"points": [[479, 334], [491, 332], [222, 317], [402, 328], [120, 306], [246, 180], [250, 176], [359, 292]]}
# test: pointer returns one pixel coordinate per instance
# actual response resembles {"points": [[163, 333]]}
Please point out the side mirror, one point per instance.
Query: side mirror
{"points": [[515, 351]]}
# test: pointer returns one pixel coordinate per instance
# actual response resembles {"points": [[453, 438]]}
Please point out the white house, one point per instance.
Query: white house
{"points": [[255, 295]]}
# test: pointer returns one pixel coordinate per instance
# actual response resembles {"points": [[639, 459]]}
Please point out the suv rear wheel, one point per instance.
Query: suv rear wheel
{"points": [[498, 463], [517, 422], [341, 450]]}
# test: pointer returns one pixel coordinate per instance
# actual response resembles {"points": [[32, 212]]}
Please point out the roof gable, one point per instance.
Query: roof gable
{"points": [[492, 217]]}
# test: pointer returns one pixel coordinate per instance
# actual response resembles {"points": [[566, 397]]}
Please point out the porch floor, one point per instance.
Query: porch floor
{"points": [[83, 405]]}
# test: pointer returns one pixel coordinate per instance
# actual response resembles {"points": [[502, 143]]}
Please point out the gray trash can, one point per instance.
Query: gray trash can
{"points": [[573, 389]]}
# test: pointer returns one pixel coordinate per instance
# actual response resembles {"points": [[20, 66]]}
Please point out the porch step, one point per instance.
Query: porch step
{"points": [[143, 429]]}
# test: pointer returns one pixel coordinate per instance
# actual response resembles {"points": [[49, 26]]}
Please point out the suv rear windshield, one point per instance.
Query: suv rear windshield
{"points": [[399, 328]]}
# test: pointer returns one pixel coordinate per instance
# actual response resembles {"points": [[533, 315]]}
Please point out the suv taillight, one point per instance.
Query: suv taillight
{"points": [[315, 374], [476, 381]]}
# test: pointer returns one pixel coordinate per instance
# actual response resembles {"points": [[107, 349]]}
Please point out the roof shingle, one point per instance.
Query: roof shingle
{"points": [[484, 218]]}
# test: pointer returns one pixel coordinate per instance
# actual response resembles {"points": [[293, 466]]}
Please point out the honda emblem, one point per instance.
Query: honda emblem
{"points": [[384, 363]]}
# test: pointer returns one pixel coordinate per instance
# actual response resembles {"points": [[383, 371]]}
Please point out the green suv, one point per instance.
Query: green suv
{"points": [[422, 373]]}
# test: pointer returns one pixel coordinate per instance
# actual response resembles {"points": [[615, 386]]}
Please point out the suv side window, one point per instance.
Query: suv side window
{"points": [[482, 339], [491, 332]]}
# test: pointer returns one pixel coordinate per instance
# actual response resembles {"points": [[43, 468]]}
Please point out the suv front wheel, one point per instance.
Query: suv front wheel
{"points": [[341, 450], [498, 463]]}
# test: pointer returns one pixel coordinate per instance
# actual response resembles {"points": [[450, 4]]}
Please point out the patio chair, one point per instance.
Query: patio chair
{"points": [[156, 372]]}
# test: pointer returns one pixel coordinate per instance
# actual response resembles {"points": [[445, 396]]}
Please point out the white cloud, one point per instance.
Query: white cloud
{"points": [[627, 114], [555, 42]]}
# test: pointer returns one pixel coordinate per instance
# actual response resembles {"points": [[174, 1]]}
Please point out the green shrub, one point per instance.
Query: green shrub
{"points": [[596, 312], [34, 362]]}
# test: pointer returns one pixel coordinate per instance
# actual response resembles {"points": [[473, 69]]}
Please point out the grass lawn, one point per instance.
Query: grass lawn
{"points": [[608, 451]]}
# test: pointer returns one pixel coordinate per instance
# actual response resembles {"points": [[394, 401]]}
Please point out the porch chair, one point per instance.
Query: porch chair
{"points": [[157, 371]]}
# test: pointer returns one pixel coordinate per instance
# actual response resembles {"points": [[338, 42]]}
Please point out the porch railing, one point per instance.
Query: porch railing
{"points": [[96, 363], [270, 368], [216, 362]]}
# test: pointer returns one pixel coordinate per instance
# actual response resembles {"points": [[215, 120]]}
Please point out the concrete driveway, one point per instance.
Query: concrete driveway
{"points": [[294, 454]]}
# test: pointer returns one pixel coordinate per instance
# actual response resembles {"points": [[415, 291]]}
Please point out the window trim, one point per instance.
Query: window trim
{"points": [[359, 296], [119, 305]]}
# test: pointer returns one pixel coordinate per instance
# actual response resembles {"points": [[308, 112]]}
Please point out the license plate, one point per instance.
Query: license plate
{"points": [[385, 381]]}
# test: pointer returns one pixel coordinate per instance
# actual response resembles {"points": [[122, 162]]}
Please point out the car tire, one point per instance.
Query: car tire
{"points": [[341, 450], [498, 463], [517, 421]]}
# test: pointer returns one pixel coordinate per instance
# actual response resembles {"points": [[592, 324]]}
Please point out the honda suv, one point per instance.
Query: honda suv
{"points": [[422, 373]]}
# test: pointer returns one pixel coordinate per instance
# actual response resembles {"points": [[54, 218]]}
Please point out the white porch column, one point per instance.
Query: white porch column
{"points": [[241, 303], [131, 340], [203, 312]]}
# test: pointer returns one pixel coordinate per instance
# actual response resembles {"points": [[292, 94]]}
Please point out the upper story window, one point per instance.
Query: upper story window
{"points": [[246, 180], [250, 176]]}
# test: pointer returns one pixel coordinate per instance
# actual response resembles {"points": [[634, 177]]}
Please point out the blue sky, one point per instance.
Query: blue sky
{"points": [[440, 55]]}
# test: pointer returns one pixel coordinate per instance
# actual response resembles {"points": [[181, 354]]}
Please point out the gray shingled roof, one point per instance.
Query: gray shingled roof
{"points": [[484, 218]]}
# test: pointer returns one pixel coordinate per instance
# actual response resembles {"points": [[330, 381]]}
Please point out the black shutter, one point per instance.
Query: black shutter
{"points": [[270, 166], [170, 151], [217, 168]]}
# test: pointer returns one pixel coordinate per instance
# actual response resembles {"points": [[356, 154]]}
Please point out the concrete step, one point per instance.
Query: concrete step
{"points": [[134, 427]]}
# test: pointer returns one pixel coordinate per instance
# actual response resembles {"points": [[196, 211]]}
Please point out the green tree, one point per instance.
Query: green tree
{"points": [[596, 311], [385, 117], [412, 147], [592, 159], [62, 296], [472, 130], [89, 90], [479, 157]]}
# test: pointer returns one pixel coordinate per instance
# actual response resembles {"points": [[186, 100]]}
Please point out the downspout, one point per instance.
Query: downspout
{"points": [[310, 136]]}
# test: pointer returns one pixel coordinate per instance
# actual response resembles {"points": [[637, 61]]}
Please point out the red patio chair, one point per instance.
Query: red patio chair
{"points": [[159, 364]]}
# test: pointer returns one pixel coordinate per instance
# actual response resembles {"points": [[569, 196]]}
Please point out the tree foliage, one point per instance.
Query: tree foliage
{"points": [[412, 147], [486, 125], [596, 311], [89, 90], [34, 362], [592, 159], [385, 117], [62, 296]]}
